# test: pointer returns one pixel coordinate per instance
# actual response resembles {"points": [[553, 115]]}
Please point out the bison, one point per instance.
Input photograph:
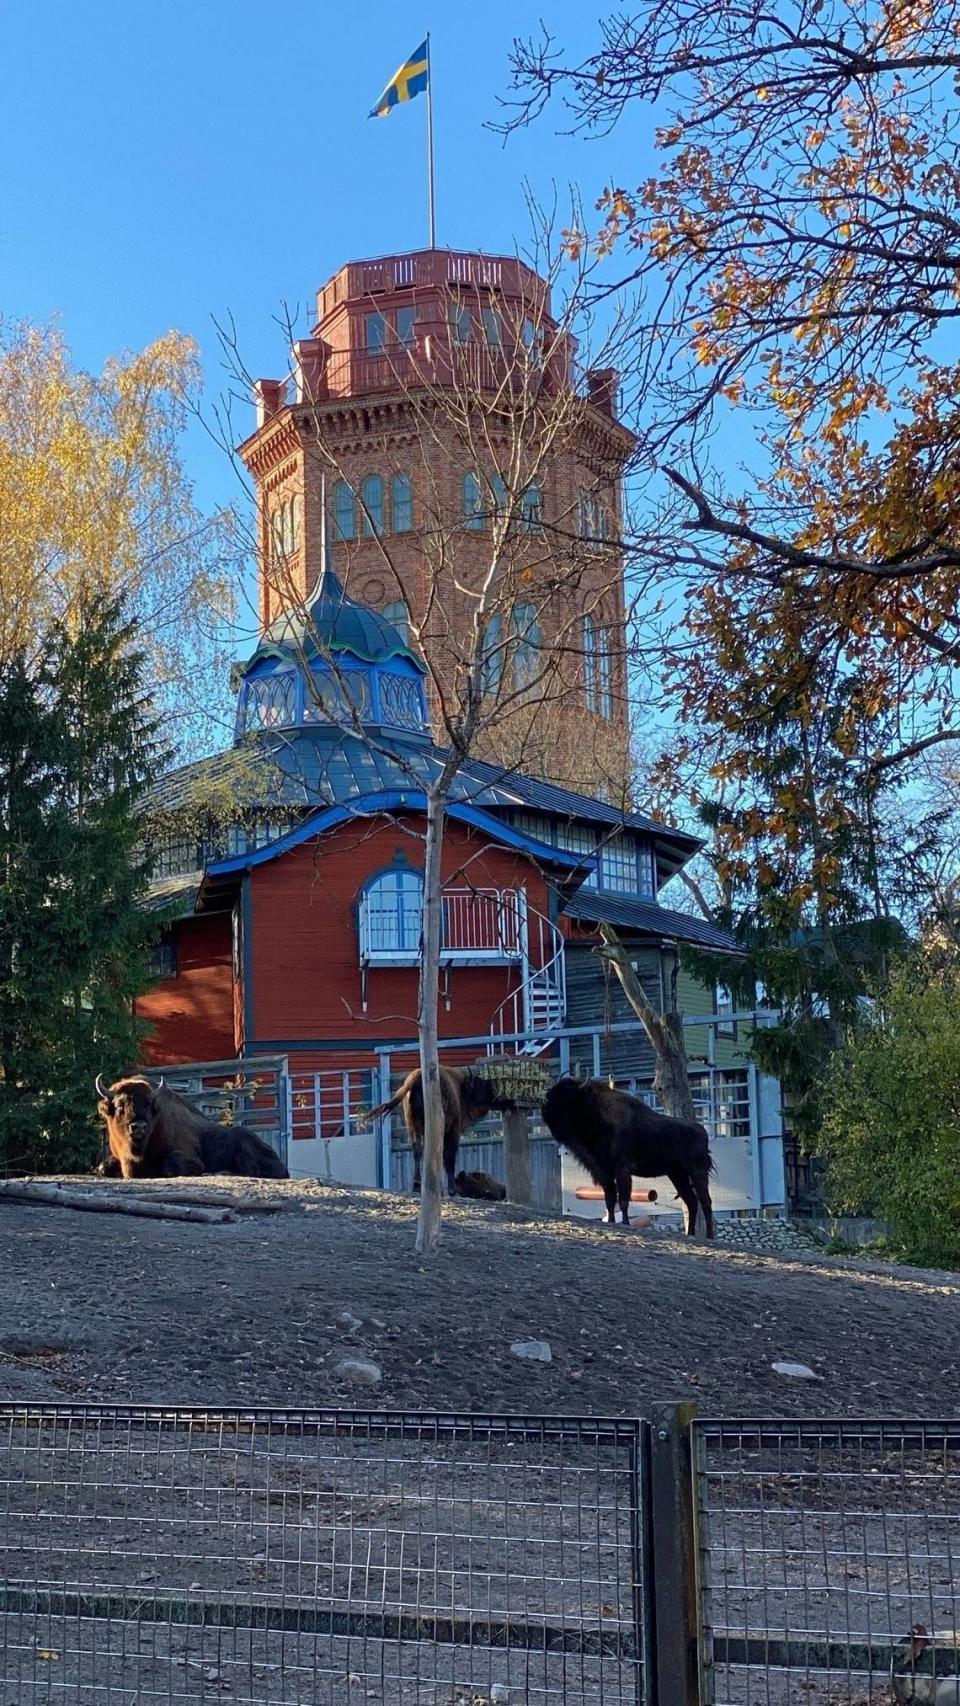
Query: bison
{"points": [[467, 1098], [615, 1136], [153, 1133], [481, 1186]]}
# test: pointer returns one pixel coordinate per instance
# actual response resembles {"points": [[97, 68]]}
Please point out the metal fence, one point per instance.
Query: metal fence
{"points": [[273, 1558], [823, 1546]]}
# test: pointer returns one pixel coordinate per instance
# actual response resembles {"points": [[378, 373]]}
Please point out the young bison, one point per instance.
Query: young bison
{"points": [[467, 1098], [615, 1136], [481, 1186], [153, 1133]]}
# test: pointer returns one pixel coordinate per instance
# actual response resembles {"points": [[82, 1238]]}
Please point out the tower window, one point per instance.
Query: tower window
{"points": [[344, 511], [375, 333], [163, 956], [372, 510], [402, 499], [492, 329], [605, 661], [528, 640], [398, 617], [590, 662], [531, 509], [406, 324], [493, 655], [459, 317], [473, 503]]}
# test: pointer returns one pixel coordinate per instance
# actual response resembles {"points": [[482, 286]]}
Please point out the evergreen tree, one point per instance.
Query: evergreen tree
{"points": [[78, 749]]}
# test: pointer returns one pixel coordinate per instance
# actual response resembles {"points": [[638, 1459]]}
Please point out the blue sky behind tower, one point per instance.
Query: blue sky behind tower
{"points": [[164, 165]]}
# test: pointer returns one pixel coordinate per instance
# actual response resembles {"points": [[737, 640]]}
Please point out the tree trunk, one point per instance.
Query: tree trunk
{"points": [[428, 1223], [671, 1079]]}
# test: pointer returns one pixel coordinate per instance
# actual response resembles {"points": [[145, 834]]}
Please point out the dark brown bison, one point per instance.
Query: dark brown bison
{"points": [[615, 1136], [153, 1133], [467, 1098], [481, 1186]]}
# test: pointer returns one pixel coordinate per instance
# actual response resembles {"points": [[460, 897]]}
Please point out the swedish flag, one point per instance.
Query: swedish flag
{"points": [[412, 79]]}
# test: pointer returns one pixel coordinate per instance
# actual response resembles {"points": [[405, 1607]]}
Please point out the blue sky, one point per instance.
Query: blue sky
{"points": [[163, 164]]}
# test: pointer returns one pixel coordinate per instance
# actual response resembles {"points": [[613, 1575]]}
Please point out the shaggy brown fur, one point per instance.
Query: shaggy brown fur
{"points": [[481, 1186], [153, 1133], [467, 1098], [615, 1136]]}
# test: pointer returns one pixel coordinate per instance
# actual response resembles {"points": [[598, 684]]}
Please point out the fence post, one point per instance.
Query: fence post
{"points": [[386, 1125], [673, 1537], [516, 1148]]}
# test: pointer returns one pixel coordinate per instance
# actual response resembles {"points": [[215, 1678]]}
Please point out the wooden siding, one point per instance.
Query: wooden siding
{"points": [[191, 1015], [304, 948]]}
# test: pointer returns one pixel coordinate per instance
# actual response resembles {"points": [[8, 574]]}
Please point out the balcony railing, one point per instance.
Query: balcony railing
{"points": [[434, 358], [431, 268], [479, 926]]}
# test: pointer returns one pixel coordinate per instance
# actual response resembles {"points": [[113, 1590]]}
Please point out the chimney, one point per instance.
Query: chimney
{"points": [[269, 396], [309, 360], [603, 386]]}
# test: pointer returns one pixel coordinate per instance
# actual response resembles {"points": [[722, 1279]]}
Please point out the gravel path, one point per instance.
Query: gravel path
{"points": [[113, 1309]]}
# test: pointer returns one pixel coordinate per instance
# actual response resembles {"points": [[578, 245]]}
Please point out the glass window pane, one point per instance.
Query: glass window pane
{"points": [[618, 865], [574, 838], [605, 661], [375, 327], [531, 509], [393, 905], [406, 322], [528, 641], [402, 496], [396, 614], [344, 511], [493, 655], [492, 329], [372, 511], [590, 663], [473, 503], [459, 317]]}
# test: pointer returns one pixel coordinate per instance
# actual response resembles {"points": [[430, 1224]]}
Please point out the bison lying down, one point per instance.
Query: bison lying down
{"points": [[153, 1133], [615, 1136], [467, 1098]]}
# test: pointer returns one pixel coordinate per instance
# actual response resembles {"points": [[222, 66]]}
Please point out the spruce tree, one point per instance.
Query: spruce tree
{"points": [[78, 750]]}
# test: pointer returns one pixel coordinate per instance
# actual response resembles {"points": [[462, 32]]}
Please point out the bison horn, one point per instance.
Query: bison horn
{"points": [[160, 1082], [101, 1088]]}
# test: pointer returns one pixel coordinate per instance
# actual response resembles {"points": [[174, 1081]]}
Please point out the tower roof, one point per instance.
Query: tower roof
{"points": [[332, 623]]}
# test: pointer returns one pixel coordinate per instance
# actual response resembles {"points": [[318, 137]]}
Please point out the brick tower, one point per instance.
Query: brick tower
{"points": [[384, 453]]}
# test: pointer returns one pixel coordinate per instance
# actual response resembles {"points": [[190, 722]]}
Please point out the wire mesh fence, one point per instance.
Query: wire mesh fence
{"points": [[301, 1559], [828, 1562]]}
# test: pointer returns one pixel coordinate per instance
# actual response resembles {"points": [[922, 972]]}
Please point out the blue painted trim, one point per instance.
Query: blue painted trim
{"points": [[392, 800]]}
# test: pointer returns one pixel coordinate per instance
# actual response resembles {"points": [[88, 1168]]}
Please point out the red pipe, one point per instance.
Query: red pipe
{"points": [[593, 1193]]}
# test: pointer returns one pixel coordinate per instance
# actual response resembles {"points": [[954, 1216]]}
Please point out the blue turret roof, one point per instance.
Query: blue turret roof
{"points": [[333, 622]]}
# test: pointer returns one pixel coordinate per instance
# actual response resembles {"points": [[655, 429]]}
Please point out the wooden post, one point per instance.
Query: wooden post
{"points": [[673, 1536], [516, 1146]]}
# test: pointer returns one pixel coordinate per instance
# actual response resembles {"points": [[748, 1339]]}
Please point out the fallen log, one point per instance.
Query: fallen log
{"points": [[100, 1201]]}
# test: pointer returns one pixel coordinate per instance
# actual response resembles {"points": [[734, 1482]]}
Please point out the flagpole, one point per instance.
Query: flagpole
{"points": [[433, 217]]}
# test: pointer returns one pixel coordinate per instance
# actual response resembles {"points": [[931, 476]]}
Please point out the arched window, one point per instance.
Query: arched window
{"points": [[528, 639], [473, 503], [396, 613], [402, 502], [499, 486], [391, 915], [590, 662], [372, 512], [493, 655], [531, 509], [296, 511], [605, 661], [344, 511]]}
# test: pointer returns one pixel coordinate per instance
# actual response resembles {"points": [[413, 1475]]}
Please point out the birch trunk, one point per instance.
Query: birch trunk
{"points": [[428, 1223]]}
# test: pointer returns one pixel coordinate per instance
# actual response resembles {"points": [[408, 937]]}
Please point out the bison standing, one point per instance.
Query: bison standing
{"points": [[467, 1097], [614, 1136], [153, 1133]]}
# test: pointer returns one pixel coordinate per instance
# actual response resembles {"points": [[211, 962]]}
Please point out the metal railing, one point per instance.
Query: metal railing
{"points": [[251, 1092], [476, 924], [340, 1557], [824, 1547]]}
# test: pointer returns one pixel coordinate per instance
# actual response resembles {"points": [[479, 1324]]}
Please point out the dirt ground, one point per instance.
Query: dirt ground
{"points": [[108, 1308]]}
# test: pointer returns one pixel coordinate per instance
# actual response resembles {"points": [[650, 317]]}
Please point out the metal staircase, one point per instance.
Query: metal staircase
{"points": [[531, 1016]]}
